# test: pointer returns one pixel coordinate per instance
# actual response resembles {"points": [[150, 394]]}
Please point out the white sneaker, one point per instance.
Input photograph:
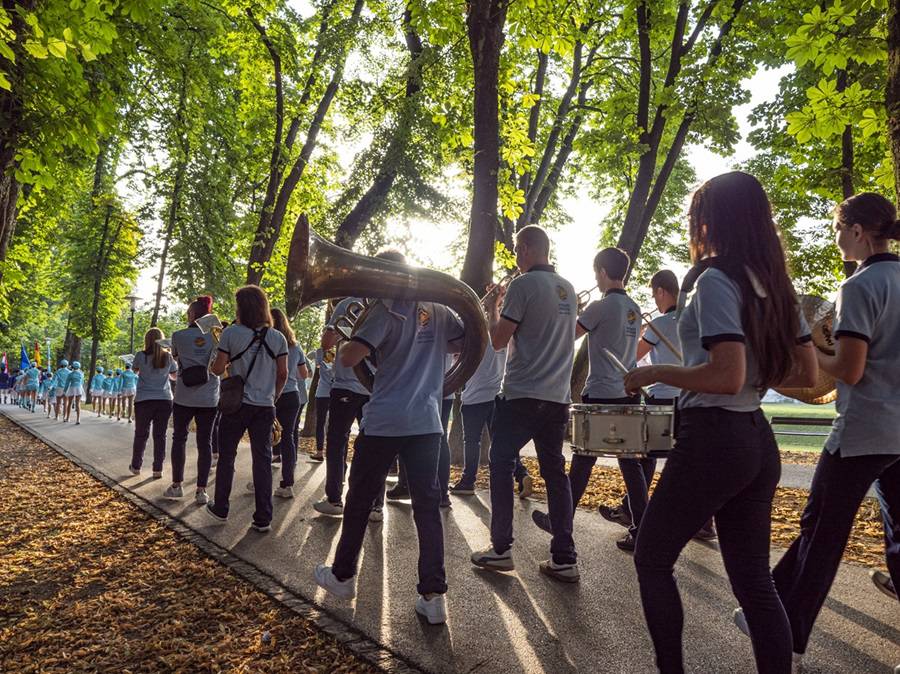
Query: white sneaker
{"points": [[174, 492], [434, 610], [567, 573], [493, 560], [375, 515], [740, 621], [285, 492], [134, 471], [214, 516], [327, 508], [261, 528], [201, 497], [325, 578]]}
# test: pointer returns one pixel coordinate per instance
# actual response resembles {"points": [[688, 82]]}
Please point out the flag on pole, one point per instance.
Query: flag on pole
{"points": [[37, 353], [24, 363]]}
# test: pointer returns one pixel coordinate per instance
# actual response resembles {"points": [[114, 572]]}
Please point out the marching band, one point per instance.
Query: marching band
{"points": [[732, 330]]}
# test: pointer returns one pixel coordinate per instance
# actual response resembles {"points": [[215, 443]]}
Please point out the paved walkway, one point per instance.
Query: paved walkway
{"points": [[520, 621]]}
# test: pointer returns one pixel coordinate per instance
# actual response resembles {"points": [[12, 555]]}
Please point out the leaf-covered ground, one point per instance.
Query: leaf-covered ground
{"points": [[88, 582], [866, 546]]}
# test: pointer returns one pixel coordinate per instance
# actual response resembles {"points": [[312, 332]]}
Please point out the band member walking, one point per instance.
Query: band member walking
{"points": [[402, 417], [741, 334], [74, 392], [153, 401], [538, 315], [196, 397], [864, 444], [289, 405], [611, 324], [253, 350], [325, 366], [97, 391]]}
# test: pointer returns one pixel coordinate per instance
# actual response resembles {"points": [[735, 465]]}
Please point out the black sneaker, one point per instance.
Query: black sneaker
{"points": [[615, 515], [461, 489], [883, 582], [626, 543], [398, 493], [542, 520]]}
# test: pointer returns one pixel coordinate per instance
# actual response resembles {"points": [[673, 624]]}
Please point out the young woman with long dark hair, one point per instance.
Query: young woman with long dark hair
{"points": [[153, 400], [741, 334], [252, 349], [864, 445]]}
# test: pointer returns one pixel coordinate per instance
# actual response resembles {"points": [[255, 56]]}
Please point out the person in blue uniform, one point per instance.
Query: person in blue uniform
{"points": [[97, 391], [61, 379], [74, 392]]}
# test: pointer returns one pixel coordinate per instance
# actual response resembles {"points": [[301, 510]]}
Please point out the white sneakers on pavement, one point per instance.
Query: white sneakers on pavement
{"points": [[492, 560], [327, 508], [434, 610], [174, 492], [566, 573], [325, 578], [284, 492]]}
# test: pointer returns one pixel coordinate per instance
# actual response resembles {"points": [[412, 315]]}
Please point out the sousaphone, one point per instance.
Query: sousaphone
{"points": [[318, 270], [820, 316]]}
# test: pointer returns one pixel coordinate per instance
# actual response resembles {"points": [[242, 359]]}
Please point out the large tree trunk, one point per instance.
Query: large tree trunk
{"points": [[847, 165], [71, 346], [892, 98], [267, 234], [485, 22]]}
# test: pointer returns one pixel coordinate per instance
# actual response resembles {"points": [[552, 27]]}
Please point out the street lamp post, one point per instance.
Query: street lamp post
{"points": [[133, 300]]}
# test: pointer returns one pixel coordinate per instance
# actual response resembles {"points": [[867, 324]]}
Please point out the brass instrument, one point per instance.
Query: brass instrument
{"points": [[210, 324], [503, 283], [819, 314], [583, 297], [318, 269]]}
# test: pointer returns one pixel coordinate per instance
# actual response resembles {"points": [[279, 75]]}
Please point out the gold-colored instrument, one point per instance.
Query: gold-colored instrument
{"points": [[210, 324], [503, 283], [819, 314], [583, 297], [318, 269]]}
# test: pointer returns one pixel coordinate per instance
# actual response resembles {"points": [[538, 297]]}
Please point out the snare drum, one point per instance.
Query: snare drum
{"points": [[622, 431]]}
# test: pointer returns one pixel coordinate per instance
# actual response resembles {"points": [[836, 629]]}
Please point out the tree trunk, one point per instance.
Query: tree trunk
{"points": [[71, 346], [892, 97], [9, 193], [485, 22], [267, 236], [95, 304], [309, 423]]}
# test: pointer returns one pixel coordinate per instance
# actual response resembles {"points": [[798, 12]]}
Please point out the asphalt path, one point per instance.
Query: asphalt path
{"points": [[520, 621]]}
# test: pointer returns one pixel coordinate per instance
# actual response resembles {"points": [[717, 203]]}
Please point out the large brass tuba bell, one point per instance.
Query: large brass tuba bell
{"points": [[820, 315], [318, 270]]}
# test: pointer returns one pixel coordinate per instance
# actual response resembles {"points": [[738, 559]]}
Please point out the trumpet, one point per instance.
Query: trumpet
{"points": [[583, 297], [503, 283]]}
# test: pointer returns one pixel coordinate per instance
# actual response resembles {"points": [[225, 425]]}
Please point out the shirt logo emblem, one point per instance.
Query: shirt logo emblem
{"points": [[424, 318], [561, 292], [631, 316], [199, 341]]}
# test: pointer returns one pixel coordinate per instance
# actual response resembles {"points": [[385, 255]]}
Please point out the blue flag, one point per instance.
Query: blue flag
{"points": [[25, 363]]}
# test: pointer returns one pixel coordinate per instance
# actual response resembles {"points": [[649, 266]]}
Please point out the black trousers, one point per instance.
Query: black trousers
{"points": [[805, 574], [287, 409], [149, 413], [724, 464], [181, 420], [372, 458], [345, 406], [322, 405]]}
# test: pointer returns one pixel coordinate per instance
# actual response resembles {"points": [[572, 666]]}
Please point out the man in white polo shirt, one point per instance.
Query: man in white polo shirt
{"points": [[538, 316]]}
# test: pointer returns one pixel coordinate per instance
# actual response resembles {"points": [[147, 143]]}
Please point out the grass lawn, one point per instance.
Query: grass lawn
{"points": [[794, 442]]}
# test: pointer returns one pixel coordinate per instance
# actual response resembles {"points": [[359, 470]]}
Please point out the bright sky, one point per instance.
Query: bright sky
{"points": [[574, 244]]}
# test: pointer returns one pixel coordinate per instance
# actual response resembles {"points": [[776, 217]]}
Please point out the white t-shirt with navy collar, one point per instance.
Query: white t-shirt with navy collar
{"points": [[667, 325], [543, 305], [868, 308], [614, 323], [410, 341], [713, 316]]}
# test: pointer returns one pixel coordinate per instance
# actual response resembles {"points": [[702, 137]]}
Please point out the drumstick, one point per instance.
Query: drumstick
{"points": [[621, 367], [665, 340]]}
